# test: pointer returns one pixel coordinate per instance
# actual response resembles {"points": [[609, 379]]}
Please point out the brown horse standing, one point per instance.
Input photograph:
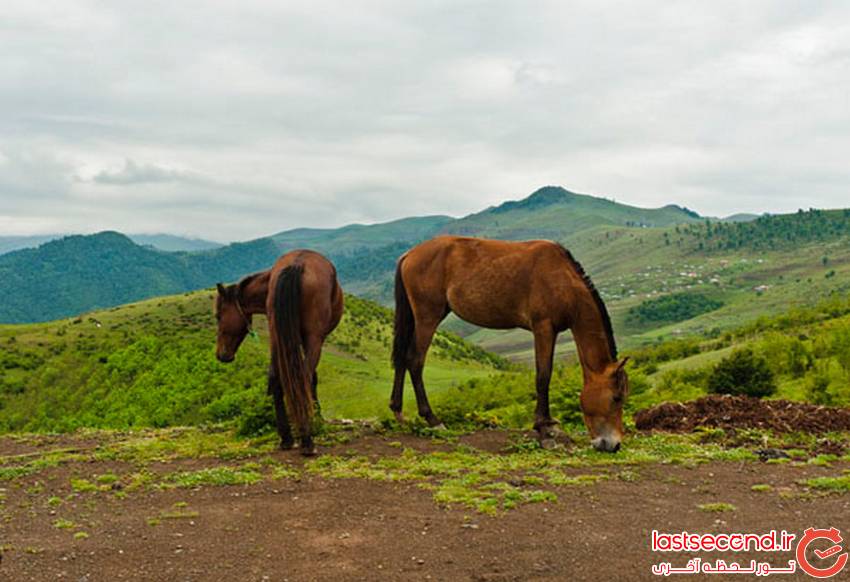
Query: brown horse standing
{"points": [[534, 285], [303, 301]]}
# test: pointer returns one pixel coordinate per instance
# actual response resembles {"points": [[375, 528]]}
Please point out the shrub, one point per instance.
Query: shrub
{"points": [[818, 391], [742, 373]]}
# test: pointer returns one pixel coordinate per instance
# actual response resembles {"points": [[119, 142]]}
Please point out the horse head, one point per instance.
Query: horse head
{"points": [[233, 323], [602, 404]]}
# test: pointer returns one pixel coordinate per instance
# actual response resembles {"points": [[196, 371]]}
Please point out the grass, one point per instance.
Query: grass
{"points": [[490, 482], [718, 507], [761, 488], [457, 475], [840, 484], [83, 486], [179, 514]]}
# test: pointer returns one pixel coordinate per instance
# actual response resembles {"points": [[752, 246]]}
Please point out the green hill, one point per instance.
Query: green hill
{"points": [[152, 364], [555, 213], [79, 273], [162, 242]]}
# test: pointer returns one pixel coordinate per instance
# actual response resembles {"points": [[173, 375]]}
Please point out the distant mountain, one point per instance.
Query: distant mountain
{"points": [[170, 242], [13, 243], [349, 239], [741, 217], [79, 273], [162, 242], [555, 213]]}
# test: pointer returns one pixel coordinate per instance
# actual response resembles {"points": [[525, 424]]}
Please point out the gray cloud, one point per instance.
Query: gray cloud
{"points": [[231, 121], [134, 173]]}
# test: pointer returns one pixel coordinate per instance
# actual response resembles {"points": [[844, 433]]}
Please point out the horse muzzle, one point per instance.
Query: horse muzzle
{"points": [[606, 444]]}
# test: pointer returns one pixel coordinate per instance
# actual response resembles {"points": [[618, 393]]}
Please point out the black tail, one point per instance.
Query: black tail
{"points": [[404, 323], [289, 346]]}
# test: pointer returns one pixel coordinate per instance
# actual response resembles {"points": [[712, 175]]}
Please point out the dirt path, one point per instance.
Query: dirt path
{"points": [[319, 528]]}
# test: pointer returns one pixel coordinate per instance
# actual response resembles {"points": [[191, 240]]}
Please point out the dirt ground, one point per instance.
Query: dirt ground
{"points": [[737, 412], [354, 529]]}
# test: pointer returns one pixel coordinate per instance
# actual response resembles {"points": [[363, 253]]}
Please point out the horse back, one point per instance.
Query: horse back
{"points": [[492, 283]]}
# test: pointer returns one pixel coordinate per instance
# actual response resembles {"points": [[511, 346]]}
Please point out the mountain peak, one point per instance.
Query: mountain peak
{"points": [[545, 196], [683, 209]]}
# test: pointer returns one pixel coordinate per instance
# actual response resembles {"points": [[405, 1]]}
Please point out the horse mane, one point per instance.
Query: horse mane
{"points": [[600, 305], [244, 281]]}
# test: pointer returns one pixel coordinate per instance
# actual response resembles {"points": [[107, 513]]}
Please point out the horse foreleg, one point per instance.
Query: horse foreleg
{"points": [[424, 334], [283, 428], [544, 351]]}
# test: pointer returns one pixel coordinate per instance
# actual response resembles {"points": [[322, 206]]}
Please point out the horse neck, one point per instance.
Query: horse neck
{"points": [[591, 336], [253, 292]]}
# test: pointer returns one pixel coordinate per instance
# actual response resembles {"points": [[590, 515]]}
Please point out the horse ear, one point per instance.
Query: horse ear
{"points": [[220, 288], [622, 364]]}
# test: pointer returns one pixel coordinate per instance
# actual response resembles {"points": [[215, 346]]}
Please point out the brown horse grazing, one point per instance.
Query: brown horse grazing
{"points": [[303, 301], [534, 285]]}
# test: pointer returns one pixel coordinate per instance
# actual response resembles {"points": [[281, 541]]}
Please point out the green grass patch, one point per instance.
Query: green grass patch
{"points": [[83, 486], [839, 484], [718, 507], [179, 514]]}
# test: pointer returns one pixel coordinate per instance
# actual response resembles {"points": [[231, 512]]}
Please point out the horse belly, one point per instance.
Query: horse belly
{"points": [[488, 305]]}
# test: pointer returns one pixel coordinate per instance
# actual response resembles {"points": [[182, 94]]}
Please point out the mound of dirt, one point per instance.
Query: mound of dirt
{"points": [[743, 412]]}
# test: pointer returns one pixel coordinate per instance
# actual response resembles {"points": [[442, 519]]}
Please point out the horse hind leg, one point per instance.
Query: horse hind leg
{"points": [[424, 334], [396, 399], [312, 354], [284, 431]]}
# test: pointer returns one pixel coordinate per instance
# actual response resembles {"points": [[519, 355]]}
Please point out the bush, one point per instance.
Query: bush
{"points": [[742, 373], [818, 391]]}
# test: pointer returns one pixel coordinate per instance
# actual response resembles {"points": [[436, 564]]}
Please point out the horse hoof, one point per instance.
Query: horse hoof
{"points": [[399, 417], [439, 427], [309, 451], [287, 445], [550, 431], [548, 444]]}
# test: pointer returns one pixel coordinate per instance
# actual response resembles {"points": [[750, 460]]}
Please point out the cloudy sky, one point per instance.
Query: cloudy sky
{"points": [[232, 120]]}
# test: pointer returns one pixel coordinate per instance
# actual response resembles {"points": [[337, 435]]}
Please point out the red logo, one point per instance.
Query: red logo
{"points": [[811, 535]]}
